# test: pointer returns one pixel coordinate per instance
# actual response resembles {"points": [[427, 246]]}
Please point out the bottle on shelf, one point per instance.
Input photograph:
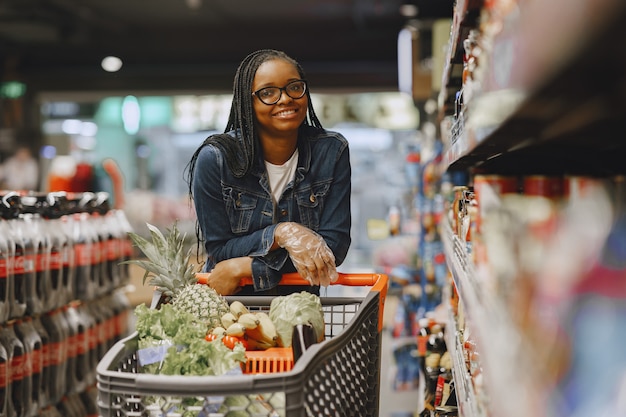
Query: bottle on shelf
{"points": [[5, 379], [33, 365], [87, 255], [7, 257], [16, 286], [36, 254], [79, 365], [43, 385], [16, 358], [55, 326], [61, 251], [71, 349]]}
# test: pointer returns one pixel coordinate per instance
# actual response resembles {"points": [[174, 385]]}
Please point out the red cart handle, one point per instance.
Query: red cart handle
{"points": [[354, 280]]}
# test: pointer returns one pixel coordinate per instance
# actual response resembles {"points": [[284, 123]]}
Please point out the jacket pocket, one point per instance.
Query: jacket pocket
{"points": [[240, 208], [311, 203]]}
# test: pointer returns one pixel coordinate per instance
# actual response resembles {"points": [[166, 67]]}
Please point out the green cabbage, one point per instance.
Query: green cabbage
{"points": [[287, 311]]}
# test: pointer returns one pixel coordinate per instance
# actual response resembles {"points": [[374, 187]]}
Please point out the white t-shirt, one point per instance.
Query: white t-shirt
{"points": [[281, 175]]}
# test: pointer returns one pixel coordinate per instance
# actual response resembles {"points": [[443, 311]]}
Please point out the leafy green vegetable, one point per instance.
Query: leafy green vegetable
{"points": [[298, 308], [172, 342]]}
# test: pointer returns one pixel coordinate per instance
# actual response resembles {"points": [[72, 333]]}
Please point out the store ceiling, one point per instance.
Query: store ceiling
{"points": [[196, 45]]}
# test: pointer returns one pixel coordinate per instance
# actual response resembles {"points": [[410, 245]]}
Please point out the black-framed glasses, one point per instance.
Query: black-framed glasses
{"points": [[271, 95]]}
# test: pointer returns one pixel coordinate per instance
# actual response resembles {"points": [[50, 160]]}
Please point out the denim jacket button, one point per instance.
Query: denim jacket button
{"points": [[283, 212], [312, 198]]}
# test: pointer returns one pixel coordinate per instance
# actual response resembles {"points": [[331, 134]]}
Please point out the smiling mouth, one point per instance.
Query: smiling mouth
{"points": [[286, 113]]}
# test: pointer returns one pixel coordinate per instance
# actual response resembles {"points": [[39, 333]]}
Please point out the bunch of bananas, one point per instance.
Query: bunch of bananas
{"points": [[256, 328]]}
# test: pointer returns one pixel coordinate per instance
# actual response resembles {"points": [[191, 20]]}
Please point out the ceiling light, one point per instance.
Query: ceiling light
{"points": [[194, 4], [111, 64]]}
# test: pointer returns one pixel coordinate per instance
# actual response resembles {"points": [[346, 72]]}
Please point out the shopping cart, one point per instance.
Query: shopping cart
{"points": [[337, 377]]}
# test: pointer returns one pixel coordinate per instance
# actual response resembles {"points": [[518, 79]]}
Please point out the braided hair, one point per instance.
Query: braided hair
{"points": [[241, 149]]}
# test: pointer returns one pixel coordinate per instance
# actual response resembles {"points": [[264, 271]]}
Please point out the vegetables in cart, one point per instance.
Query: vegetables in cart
{"points": [[255, 329], [169, 269], [344, 375], [288, 311], [172, 342]]}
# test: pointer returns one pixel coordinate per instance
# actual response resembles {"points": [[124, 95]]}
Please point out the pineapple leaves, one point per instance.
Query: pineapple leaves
{"points": [[167, 265]]}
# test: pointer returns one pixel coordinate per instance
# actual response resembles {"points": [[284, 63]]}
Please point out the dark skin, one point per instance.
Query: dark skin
{"points": [[277, 126]]}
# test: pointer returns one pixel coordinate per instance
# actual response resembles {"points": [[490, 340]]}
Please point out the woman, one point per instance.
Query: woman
{"points": [[272, 193]]}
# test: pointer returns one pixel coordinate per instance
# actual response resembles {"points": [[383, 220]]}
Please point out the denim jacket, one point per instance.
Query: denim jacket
{"points": [[237, 216]]}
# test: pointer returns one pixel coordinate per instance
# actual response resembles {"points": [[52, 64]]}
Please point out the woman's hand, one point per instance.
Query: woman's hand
{"points": [[309, 253], [225, 276]]}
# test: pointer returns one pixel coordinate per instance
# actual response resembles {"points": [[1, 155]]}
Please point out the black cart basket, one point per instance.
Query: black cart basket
{"points": [[337, 377]]}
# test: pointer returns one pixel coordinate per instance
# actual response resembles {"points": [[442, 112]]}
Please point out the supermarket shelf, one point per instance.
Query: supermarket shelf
{"points": [[464, 18], [503, 352], [467, 400], [555, 103], [551, 100]]}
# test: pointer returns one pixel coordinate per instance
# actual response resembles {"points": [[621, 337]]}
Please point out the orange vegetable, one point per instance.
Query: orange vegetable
{"points": [[229, 341]]}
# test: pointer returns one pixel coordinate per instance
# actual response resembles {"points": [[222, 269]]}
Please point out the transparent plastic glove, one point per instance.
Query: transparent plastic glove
{"points": [[309, 253]]}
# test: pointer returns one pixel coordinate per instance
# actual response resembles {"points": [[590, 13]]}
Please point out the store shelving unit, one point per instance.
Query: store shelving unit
{"points": [[501, 349], [467, 400], [552, 101]]}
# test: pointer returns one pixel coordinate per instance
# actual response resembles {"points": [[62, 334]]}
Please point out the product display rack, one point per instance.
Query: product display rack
{"points": [[64, 299], [467, 401], [499, 344], [553, 102], [549, 101]]}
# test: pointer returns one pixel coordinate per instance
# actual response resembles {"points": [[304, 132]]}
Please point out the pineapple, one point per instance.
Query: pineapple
{"points": [[169, 270]]}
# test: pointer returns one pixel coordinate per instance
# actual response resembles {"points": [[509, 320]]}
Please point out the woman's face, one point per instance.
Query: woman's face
{"points": [[286, 116]]}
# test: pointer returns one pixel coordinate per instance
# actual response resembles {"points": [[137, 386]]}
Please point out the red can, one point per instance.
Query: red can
{"points": [[499, 184], [543, 186]]}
